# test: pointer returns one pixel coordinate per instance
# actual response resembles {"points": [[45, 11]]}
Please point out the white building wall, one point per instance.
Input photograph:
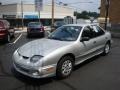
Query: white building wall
{"points": [[8, 9], [29, 9]]}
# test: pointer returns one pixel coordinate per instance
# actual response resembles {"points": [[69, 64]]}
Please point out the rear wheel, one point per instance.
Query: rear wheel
{"points": [[65, 67], [43, 34], [28, 35], [106, 49]]}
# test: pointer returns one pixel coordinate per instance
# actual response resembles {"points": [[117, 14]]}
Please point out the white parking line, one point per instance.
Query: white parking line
{"points": [[16, 39]]}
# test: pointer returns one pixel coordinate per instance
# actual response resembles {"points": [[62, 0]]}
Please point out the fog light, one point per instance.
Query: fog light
{"points": [[35, 73], [49, 70]]}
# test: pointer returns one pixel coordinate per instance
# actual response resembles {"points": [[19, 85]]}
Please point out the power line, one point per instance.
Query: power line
{"points": [[80, 2]]}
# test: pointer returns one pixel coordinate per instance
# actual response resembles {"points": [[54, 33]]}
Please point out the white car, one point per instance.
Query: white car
{"points": [[66, 47]]}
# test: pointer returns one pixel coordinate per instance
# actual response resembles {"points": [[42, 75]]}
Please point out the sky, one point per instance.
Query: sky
{"points": [[82, 5]]}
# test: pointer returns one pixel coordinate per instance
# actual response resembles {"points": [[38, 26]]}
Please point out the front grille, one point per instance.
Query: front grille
{"points": [[21, 68]]}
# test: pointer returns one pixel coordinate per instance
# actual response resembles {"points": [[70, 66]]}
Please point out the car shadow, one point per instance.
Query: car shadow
{"points": [[30, 81], [3, 43], [86, 62], [35, 84]]}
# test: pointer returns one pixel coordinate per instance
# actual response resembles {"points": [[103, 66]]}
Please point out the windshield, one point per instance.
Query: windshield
{"points": [[34, 24], [66, 33]]}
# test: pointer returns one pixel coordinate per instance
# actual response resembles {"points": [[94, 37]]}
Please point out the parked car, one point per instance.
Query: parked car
{"points": [[58, 24], [35, 29], [6, 32], [66, 47]]}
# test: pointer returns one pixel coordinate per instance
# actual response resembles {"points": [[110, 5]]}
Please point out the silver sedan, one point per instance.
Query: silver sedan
{"points": [[57, 54]]}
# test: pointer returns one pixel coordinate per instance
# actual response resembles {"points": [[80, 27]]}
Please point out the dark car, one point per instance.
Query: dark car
{"points": [[58, 24], [6, 32], [35, 29]]}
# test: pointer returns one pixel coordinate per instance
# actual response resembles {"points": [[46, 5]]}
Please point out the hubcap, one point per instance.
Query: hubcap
{"points": [[107, 48], [66, 67]]}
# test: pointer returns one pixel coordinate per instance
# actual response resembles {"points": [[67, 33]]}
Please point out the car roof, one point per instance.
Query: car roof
{"points": [[82, 25]]}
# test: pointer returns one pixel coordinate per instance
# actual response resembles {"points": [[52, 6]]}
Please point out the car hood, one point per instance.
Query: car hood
{"points": [[41, 47]]}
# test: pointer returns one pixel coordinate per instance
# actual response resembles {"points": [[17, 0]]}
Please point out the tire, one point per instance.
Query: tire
{"points": [[65, 67], [28, 35], [43, 34], [106, 49], [8, 38]]}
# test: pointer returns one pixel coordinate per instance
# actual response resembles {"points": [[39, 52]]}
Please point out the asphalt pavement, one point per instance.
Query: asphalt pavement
{"points": [[98, 73]]}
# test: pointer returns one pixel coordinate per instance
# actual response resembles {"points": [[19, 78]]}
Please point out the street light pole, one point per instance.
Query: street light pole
{"points": [[107, 12], [52, 15]]}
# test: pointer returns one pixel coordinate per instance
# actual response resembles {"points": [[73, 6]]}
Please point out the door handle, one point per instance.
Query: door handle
{"points": [[94, 42], [106, 37]]}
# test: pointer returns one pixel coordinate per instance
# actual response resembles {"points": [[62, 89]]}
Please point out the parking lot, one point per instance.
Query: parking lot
{"points": [[98, 73]]}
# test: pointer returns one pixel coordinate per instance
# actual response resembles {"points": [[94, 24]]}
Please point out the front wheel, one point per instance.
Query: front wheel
{"points": [[106, 49], [65, 67]]}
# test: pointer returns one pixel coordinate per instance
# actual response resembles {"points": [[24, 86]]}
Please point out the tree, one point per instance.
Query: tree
{"points": [[86, 15]]}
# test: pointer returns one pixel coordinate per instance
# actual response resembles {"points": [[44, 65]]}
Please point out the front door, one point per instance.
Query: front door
{"points": [[88, 47]]}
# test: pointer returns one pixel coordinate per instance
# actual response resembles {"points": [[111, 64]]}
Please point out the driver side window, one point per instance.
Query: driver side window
{"points": [[87, 32]]}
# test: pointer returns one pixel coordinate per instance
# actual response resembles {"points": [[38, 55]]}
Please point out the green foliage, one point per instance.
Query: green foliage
{"points": [[86, 15]]}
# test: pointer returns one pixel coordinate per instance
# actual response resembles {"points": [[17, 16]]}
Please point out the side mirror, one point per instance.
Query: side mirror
{"points": [[85, 39]]}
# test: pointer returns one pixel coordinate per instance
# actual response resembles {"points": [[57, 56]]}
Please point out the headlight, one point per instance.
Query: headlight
{"points": [[35, 58]]}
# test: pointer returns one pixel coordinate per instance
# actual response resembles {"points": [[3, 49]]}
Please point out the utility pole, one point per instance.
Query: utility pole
{"points": [[76, 15], [39, 15], [107, 12], [22, 14], [52, 15]]}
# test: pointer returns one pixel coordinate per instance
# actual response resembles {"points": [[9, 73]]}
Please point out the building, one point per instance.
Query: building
{"points": [[14, 13], [114, 12]]}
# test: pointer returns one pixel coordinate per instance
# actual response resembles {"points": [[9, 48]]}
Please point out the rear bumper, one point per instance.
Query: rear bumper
{"points": [[36, 33], [3, 36]]}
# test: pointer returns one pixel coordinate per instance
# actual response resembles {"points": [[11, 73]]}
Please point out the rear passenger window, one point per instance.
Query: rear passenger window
{"points": [[87, 32], [98, 31]]}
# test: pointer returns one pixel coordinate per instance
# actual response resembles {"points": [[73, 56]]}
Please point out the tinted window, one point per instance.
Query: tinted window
{"points": [[98, 31], [66, 33], [34, 24], [87, 32]]}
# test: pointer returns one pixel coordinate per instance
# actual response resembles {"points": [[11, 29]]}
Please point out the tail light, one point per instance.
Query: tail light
{"points": [[42, 28], [2, 29]]}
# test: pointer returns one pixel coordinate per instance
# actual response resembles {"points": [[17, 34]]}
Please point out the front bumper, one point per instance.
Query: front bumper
{"points": [[41, 72]]}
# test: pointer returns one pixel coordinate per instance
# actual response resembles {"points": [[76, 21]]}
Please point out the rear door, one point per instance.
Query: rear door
{"points": [[88, 46], [100, 38]]}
